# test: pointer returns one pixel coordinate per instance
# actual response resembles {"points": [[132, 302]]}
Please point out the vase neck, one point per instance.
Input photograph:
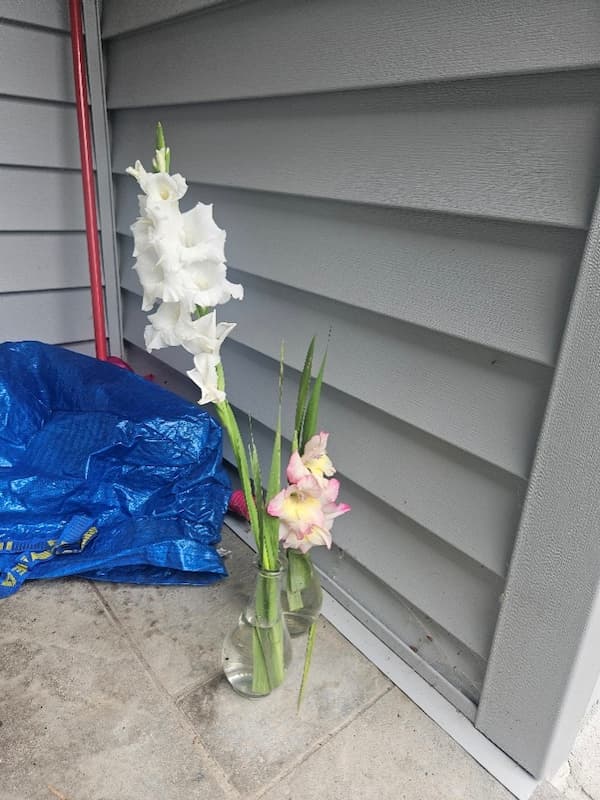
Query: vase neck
{"points": [[269, 574]]}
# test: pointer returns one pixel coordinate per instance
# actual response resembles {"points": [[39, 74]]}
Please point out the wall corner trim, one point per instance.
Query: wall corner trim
{"points": [[544, 661]]}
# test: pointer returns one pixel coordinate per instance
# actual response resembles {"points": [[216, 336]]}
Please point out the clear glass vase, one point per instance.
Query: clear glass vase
{"points": [[258, 651], [301, 595]]}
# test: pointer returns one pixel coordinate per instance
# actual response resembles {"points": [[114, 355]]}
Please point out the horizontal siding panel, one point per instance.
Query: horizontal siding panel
{"points": [[40, 200], [38, 134], [518, 154], [33, 261], [422, 643], [448, 587], [119, 17], [463, 501], [455, 592], [35, 63], [284, 47], [473, 398], [46, 13], [52, 316], [499, 284]]}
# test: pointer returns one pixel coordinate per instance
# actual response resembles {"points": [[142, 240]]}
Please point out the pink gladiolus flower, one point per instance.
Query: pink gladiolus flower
{"points": [[306, 511], [315, 457], [314, 461]]}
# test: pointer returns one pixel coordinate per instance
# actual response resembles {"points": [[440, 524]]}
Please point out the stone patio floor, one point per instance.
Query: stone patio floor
{"points": [[114, 692]]}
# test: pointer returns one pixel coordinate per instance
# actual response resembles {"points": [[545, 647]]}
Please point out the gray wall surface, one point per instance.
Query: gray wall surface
{"points": [[43, 258], [422, 180]]}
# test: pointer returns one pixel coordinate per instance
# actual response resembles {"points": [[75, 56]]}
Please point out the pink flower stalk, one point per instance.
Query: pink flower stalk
{"points": [[306, 511]]}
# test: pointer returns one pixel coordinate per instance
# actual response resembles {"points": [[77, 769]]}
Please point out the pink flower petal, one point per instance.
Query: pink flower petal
{"points": [[332, 510], [331, 490], [316, 446], [310, 486], [296, 469], [275, 507]]}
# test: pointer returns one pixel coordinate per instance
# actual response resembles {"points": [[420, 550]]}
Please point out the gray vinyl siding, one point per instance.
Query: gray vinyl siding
{"points": [[44, 279], [421, 180]]}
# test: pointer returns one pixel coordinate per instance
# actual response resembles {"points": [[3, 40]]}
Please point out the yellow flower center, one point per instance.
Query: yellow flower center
{"points": [[299, 506], [319, 466]]}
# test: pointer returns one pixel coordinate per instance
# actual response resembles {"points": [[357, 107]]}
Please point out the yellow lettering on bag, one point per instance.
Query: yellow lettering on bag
{"points": [[89, 534], [42, 556]]}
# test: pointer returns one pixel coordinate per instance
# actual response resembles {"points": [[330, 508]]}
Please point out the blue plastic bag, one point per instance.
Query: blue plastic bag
{"points": [[103, 474]]}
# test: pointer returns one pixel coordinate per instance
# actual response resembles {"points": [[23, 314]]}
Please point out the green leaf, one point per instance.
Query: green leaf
{"points": [[312, 409], [304, 388], [229, 422], [271, 524], [258, 489], [310, 643], [160, 136]]}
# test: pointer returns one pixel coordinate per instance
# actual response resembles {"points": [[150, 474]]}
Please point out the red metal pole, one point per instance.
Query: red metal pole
{"points": [[87, 177]]}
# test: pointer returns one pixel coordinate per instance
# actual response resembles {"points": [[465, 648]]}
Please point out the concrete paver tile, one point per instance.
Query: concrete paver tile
{"points": [[179, 630], [392, 751], [255, 740], [80, 713]]}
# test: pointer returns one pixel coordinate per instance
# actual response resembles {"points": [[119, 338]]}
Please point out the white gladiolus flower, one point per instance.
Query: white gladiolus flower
{"points": [[143, 235], [205, 344], [202, 236], [162, 331], [204, 284], [204, 336], [204, 259], [171, 326], [151, 277], [204, 375], [159, 187]]}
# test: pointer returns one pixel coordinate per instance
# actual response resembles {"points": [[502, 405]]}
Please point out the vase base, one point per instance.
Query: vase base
{"points": [[241, 683]]}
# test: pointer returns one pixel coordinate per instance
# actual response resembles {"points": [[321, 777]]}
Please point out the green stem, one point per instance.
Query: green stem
{"points": [[267, 550], [229, 422], [268, 636]]}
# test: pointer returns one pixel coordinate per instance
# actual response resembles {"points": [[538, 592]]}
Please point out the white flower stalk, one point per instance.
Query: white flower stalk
{"points": [[180, 261]]}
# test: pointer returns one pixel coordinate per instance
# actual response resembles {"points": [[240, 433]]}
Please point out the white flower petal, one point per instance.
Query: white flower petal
{"points": [[204, 375], [162, 331], [200, 228]]}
